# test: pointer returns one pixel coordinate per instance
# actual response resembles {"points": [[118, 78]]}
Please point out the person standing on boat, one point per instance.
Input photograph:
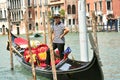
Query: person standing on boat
{"points": [[58, 33]]}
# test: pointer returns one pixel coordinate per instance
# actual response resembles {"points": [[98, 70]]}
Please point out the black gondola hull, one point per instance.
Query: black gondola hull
{"points": [[89, 71], [84, 71]]}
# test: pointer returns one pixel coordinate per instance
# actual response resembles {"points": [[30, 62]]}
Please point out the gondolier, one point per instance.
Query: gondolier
{"points": [[58, 33]]}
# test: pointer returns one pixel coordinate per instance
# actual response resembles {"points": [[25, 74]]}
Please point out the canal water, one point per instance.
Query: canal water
{"points": [[109, 48]]}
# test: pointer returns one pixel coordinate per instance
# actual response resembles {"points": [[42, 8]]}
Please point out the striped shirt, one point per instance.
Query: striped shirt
{"points": [[58, 29]]}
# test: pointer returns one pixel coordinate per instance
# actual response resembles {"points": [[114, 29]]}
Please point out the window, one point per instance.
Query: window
{"points": [[69, 21], [73, 21], [28, 2], [5, 13], [88, 7], [100, 3], [30, 15], [73, 9], [0, 14], [36, 13], [30, 27], [95, 6], [108, 5], [69, 9], [0, 29], [36, 26]]}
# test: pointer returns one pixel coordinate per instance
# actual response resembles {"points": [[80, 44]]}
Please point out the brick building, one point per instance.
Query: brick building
{"points": [[103, 9], [71, 11], [41, 9]]}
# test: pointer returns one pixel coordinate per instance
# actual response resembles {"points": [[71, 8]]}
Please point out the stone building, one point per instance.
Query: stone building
{"points": [[3, 18], [71, 11], [34, 16]]}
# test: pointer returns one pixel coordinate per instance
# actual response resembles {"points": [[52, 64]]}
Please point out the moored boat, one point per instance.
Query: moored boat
{"points": [[67, 69]]}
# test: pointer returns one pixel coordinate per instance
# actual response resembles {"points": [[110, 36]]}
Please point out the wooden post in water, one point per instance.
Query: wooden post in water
{"points": [[45, 41], [29, 46], [10, 41], [51, 52], [33, 16], [94, 28], [43, 17]]}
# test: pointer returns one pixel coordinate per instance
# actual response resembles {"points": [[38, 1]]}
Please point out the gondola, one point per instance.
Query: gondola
{"points": [[67, 69]]}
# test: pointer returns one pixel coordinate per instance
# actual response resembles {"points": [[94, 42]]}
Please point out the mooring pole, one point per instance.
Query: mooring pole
{"points": [[51, 49], [29, 46], [10, 41], [52, 53], [45, 41], [83, 30], [43, 17], [94, 28]]}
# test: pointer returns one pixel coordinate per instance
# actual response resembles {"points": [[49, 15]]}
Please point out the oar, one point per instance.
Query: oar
{"points": [[14, 49]]}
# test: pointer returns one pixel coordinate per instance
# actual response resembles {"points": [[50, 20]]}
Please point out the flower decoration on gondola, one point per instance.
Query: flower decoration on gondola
{"points": [[38, 54]]}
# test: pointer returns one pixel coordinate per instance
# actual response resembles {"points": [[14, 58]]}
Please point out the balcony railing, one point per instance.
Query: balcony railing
{"points": [[54, 0], [109, 12]]}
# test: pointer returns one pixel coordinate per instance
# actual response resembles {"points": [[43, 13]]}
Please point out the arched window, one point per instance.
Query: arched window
{"points": [[37, 26], [69, 9], [69, 21], [28, 2], [30, 27], [73, 21], [30, 14], [73, 9]]}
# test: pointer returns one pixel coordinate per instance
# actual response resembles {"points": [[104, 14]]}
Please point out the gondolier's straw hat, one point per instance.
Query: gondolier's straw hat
{"points": [[56, 16]]}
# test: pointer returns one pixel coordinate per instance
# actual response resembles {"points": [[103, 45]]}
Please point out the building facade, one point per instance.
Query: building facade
{"points": [[103, 9], [70, 8], [3, 18], [38, 12], [36, 9]]}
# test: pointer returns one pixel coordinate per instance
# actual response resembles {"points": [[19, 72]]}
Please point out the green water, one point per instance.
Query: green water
{"points": [[109, 48]]}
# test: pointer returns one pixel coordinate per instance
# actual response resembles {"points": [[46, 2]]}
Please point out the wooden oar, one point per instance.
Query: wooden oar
{"points": [[14, 49]]}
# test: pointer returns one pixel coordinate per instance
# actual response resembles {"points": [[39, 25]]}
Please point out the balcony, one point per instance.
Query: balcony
{"points": [[3, 19], [99, 13], [109, 12], [88, 14], [54, 2]]}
